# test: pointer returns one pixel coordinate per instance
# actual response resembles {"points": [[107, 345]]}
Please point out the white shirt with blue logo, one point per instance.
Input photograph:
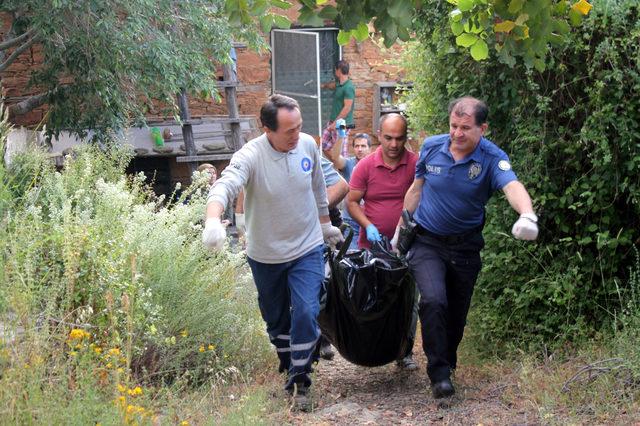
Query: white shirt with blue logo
{"points": [[455, 192], [284, 195]]}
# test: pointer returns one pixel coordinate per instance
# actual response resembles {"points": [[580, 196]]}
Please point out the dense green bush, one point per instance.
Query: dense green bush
{"points": [[573, 135]]}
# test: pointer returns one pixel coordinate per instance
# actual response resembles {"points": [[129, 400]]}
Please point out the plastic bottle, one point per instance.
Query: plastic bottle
{"points": [[157, 136]]}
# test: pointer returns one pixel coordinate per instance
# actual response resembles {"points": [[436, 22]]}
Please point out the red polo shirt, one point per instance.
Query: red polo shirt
{"points": [[384, 188]]}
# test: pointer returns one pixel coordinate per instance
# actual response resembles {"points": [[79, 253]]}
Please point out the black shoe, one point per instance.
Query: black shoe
{"points": [[326, 352], [407, 363], [301, 398], [442, 389]]}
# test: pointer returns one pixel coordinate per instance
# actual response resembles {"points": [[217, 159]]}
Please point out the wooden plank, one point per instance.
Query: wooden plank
{"points": [[232, 107], [204, 157], [201, 120], [187, 129], [224, 84]]}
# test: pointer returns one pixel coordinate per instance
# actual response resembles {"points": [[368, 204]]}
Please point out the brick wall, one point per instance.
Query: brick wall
{"points": [[15, 78]]}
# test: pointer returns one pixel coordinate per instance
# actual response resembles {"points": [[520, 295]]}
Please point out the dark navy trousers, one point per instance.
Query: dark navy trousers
{"points": [[289, 301], [445, 270]]}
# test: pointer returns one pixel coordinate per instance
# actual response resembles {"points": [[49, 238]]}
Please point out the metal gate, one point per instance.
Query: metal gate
{"points": [[295, 72]]}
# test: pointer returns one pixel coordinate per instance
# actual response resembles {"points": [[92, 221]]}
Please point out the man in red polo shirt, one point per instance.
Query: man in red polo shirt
{"points": [[382, 180]]}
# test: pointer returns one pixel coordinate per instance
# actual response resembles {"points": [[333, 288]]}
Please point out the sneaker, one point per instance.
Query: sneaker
{"points": [[407, 363], [326, 352], [301, 398], [442, 389]]}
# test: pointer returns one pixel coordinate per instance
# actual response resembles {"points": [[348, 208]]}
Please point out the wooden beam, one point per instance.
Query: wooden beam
{"points": [[204, 157], [232, 106], [225, 84], [187, 129]]}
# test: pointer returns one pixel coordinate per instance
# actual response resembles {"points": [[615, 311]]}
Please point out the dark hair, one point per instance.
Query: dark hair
{"points": [[269, 110], [480, 110], [385, 117], [343, 66], [362, 136]]}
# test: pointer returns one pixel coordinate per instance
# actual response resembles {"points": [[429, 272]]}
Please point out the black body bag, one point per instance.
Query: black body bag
{"points": [[368, 307]]}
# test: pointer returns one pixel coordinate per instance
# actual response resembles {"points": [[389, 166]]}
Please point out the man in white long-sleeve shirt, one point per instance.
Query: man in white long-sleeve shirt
{"points": [[287, 219]]}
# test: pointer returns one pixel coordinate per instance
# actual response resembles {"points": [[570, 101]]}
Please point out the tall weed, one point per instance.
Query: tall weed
{"points": [[90, 250]]}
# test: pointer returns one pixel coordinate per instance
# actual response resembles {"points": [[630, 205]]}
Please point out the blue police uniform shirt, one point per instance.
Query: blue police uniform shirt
{"points": [[454, 193]]}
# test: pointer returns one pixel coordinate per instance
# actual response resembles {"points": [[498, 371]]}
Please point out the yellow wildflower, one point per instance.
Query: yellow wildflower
{"points": [[114, 351], [78, 334], [582, 7], [201, 348], [72, 353], [135, 409], [184, 333], [122, 388], [109, 365], [135, 391], [97, 350], [120, 370], [121, 400], [211, 347], [184, 423]]}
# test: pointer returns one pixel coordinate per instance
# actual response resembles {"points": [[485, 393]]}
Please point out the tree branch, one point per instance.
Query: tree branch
{"points": [[16, 40], [28, 104], [17, 53]]}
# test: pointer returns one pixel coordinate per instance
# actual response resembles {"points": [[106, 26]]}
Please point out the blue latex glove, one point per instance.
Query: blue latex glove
{"points": [[372, 233], [341, 127]]}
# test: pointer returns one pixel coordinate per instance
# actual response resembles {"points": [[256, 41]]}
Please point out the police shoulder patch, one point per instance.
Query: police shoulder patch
{"points": [[305, 164], [504, 165]]}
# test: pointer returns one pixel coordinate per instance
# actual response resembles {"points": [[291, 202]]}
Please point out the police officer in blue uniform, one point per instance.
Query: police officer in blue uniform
{"points": [[456, 175]]}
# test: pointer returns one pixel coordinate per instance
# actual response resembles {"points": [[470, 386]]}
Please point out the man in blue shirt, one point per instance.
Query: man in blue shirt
{"points": [[456, 175], [361, 144]]}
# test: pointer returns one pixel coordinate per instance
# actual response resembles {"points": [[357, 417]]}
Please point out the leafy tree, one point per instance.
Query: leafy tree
{"points": [[514, 28], [105, 61]]}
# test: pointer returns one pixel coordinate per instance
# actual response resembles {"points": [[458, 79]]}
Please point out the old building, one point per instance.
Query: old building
{"points": [[299, 61]]}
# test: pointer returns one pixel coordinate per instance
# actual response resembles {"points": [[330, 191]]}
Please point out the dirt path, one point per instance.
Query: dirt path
{"points": [[347, 394]]}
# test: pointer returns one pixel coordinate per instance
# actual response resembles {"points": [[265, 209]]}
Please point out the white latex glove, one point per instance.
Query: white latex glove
{"points": [[214, 233], [526, 227], [331, 234], [240, 223], [394, 240]]}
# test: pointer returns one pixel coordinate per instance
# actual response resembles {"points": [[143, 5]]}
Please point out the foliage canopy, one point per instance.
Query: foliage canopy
{"points": [[513, 28]]}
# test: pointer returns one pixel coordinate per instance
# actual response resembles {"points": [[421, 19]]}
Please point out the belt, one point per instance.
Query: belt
{"points": [[449, 239]]}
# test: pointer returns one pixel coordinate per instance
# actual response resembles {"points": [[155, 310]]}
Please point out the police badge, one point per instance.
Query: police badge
{"points": [[474, 170]]}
